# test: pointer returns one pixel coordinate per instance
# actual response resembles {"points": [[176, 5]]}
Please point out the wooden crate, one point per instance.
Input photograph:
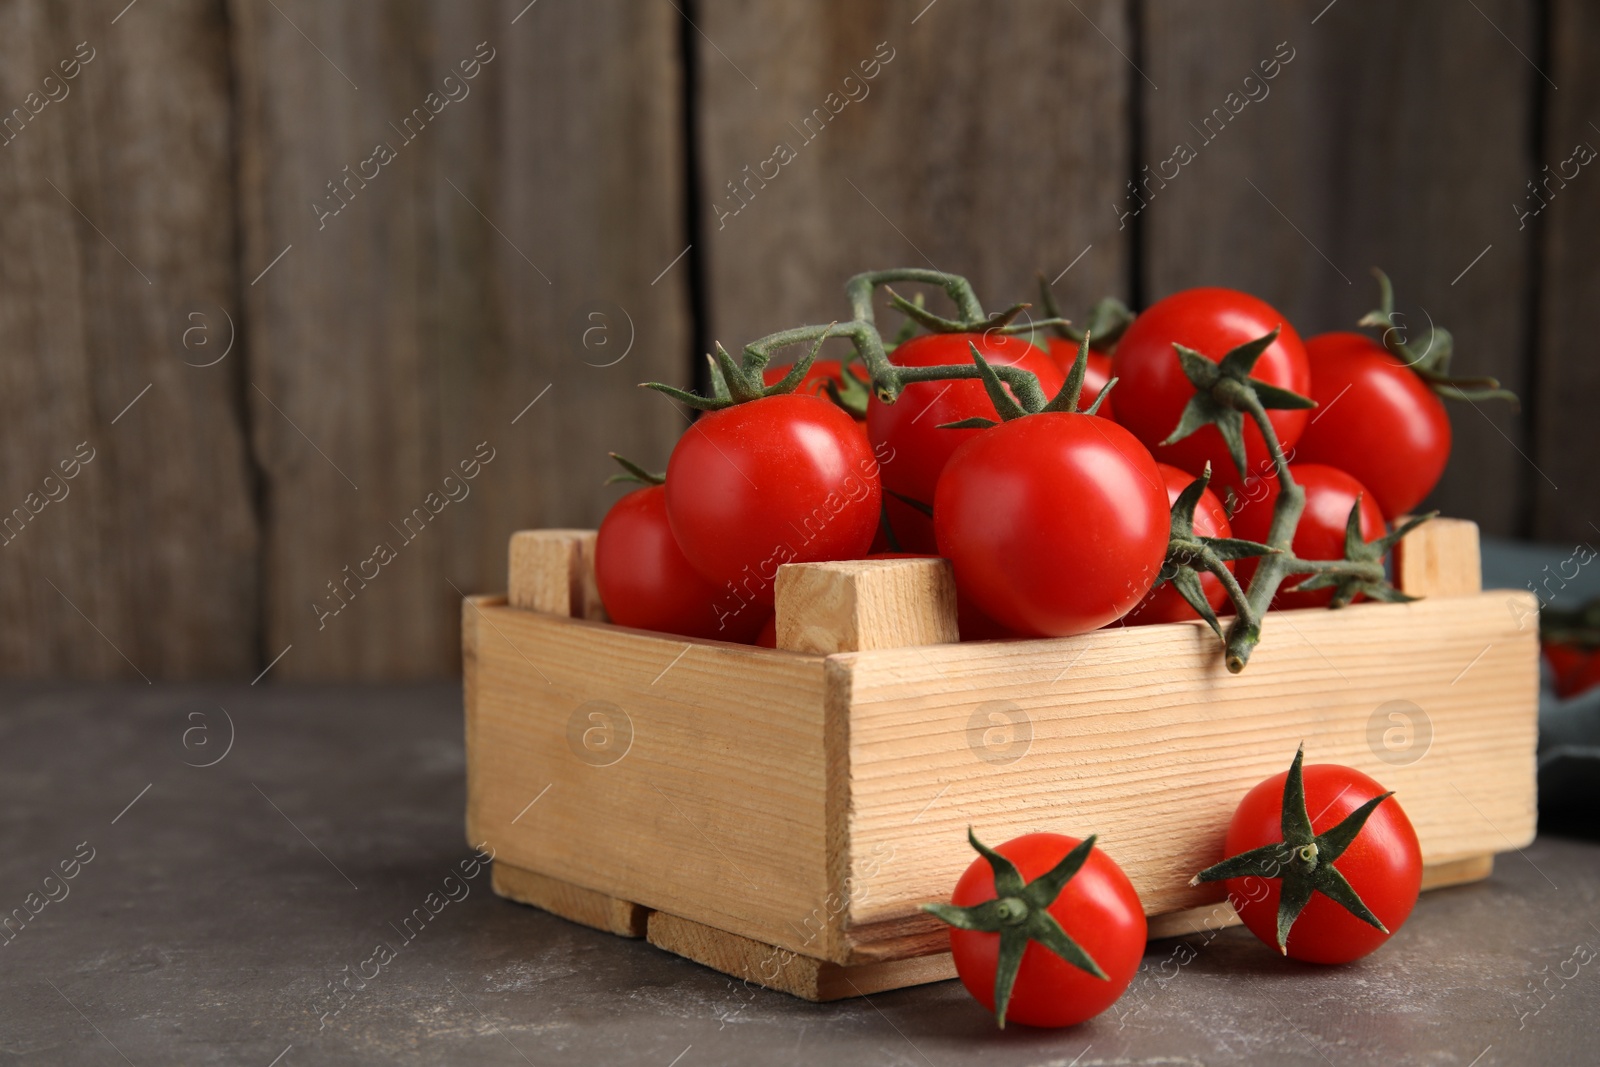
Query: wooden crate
{"points": [[780, 815]]}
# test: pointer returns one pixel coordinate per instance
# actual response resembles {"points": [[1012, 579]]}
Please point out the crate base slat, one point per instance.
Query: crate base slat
{"points": [[813, 979]]}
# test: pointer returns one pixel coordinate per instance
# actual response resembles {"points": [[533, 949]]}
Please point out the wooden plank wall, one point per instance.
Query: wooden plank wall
{"points": [[327, 330]]}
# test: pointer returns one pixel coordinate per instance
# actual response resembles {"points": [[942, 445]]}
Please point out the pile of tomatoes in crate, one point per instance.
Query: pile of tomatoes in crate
{"points": [[1194, 460]]}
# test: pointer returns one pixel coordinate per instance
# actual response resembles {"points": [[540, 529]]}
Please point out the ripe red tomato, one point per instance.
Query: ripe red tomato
{"points": [[1095, 377], [1383, 865], [768, 637], [1376, 420], [1564, 659], [1153, 391], [1164, 603], [817, 375], [1583, 676], [1330, 494], [910, 426], [913, 530], [1097, 908], [1056, 523], [783, 479], [646, 581]]}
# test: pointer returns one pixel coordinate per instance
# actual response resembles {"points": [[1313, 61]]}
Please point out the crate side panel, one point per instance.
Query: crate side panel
{"points": [[1140, 735], [684, 777]]}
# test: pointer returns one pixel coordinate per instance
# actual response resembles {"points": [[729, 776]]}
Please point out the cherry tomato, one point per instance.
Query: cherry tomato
{"points": [[768, 637], [1056, 523], [1330, 494], [1383, 865], [783, 479], [910, 426], [817, 375], [1165, 603], [1376, 420], [1097, 908], [1096, 374], [645, 580], [913, 530], [1585, 677], [1564, 659], [1153, 391]]}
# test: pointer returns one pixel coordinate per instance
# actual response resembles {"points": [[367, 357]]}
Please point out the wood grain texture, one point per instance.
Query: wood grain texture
{"points": [[445, 312], [117, 225], [790, 972], [553, 571], [1367, 151], [1141, 736], [571, 902], [683, 777], [986, 146], [855, 605], [1569, 291], [1440, 558]]}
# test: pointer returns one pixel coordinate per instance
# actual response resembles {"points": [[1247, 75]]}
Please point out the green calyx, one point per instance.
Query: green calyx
{"points": [[1020, 913], [632, 472], [1579, 627], [1432, 363], [1031, 401], [1188, 554], [1303, 860], [1365, 577], [1108, 320], [741, 381], [1223, 391]]}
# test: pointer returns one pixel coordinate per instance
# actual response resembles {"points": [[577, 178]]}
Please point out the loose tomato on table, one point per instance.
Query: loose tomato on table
{"points": [[1330, 494], [909, 429], [1046, 930], [1056, 523], [1328, 888], [1376, 419], [1153, 390], [1164, 603]]}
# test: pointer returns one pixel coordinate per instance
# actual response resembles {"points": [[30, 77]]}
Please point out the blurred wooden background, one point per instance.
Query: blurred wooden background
{"points": [[276, 344]]}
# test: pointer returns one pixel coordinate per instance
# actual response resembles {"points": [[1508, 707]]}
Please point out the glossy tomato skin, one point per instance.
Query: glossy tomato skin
{"points": [[1375, 420], [1056, 523], [909, 428], [783, 479], [1383, 864], [1096, 373], [1330, 493], [1152, 391], [817, 375], [646, 581], [1164, 603], [1098, 909]]}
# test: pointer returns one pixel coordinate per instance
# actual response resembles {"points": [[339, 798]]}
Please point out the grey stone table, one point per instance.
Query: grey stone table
{"points": [[211, 907]]}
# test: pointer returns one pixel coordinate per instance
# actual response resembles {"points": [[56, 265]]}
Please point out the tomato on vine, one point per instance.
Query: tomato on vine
{"points": [[1165, 603], [766, 477], [1377, 420], [910, 428], [1331, 494], [1328, 888], [1046, 930], [645, 581], [1154, 390]]}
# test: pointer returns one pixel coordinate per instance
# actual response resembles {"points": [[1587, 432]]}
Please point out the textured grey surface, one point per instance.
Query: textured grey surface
{"points": [[207, 926]]}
